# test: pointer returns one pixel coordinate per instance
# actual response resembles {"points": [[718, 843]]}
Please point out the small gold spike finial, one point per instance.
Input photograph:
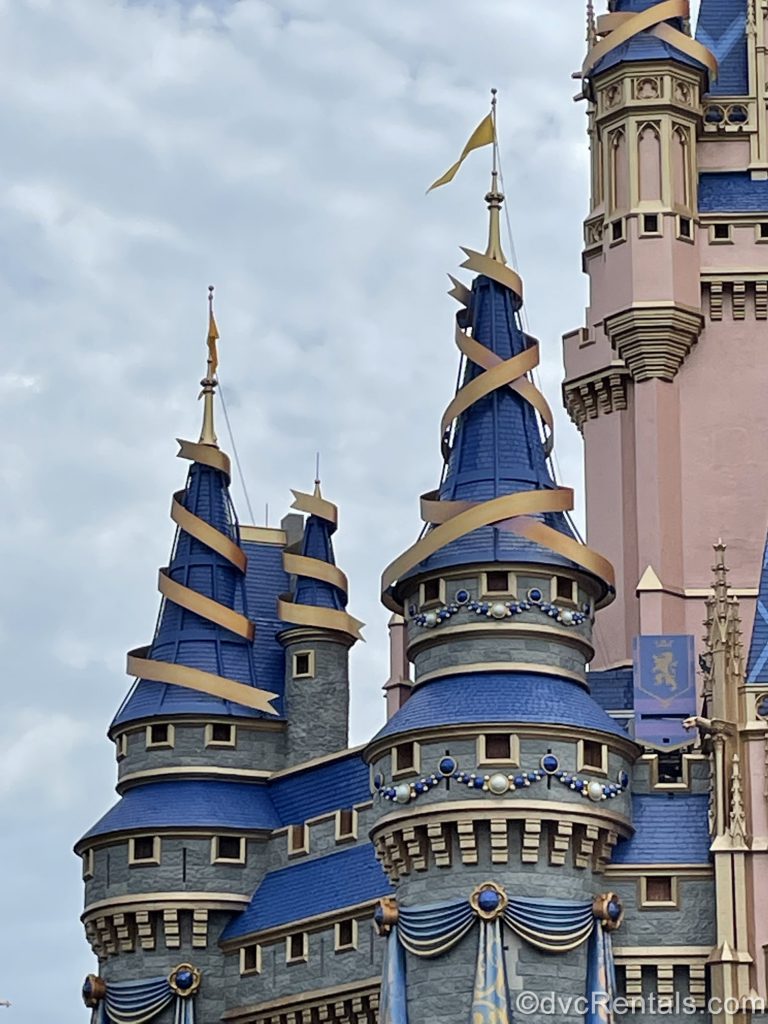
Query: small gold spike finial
{"points": [[317, 475], [494, 198], [209, 382]]}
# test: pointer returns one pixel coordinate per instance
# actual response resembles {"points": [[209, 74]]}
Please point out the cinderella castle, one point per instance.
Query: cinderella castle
{"points": [[564, 814]]}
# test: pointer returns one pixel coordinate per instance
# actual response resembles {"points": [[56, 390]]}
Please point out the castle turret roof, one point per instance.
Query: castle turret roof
{"points": [[497, 500], [757, 663], [201, 659]]}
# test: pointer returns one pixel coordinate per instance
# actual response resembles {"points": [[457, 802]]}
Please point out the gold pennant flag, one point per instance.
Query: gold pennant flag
{"points": [[213, 337], [483, 135]]}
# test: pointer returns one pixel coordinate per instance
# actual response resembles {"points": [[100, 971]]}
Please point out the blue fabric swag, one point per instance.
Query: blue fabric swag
{"points": [[554, 926], [136, 1002]]}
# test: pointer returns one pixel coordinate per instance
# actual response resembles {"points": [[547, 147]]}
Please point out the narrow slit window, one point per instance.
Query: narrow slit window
{"points": [[658, 889], [685, 227], [303, 664], [298, 839], [296, 948], [144, 850], [651, 223], [346, 824], [345, 935], [432, 590], [497, 582], [250, 959], [405, 757], [229, 848], [498, 746]]}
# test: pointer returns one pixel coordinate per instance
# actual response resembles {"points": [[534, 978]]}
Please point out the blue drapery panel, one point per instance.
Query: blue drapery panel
{"points": [[490, 999], [552, 925], [432, 930], [392, 1006], [136, 1002], [601, 978]]}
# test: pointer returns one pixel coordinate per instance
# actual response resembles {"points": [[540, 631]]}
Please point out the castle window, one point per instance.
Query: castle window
{"points": [[88, 865], [346, 824], [432, 593], [121, 746], [345, 937], [670, 767], [220, 734], [144, 850], [762, 232], [405, 758], [228, 850], [618, 231], [298, 839], [497, 582], [303, 664], [161, 734], [721, 233], [592, 757], [651, 224], [297, 948], [564, 590], [250, 959], [497, 747], [658, 891], [685, 228]]}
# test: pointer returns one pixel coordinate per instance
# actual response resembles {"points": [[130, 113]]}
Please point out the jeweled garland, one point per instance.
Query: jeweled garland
{"points": [[498, 783]]}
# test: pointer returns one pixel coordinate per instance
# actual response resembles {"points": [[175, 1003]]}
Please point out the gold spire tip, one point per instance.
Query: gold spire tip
{"points": [[209, 381], [495, 197]]}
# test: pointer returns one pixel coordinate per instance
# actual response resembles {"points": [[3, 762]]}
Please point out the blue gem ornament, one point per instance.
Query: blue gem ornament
{"points": [[614, 910], [550, 764], [184, 979], [488, 900], [535, 595], [461, 596], [623, 779], [447, 766]]}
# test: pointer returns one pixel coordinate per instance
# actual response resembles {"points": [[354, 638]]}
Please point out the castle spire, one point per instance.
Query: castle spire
{"points": [[209, 381], [494, 198]]}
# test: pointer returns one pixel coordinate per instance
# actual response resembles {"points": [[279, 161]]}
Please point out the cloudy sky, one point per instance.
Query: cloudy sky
{"points": [[279, 149]]}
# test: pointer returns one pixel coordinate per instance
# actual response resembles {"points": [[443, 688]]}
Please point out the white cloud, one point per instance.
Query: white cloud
{"points": [[281, 151]]}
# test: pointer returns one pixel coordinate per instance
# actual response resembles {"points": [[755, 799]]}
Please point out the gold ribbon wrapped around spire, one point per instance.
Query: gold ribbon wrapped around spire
{"points": [[317, 569], [451, 520], [620, 27], [139, 664]]}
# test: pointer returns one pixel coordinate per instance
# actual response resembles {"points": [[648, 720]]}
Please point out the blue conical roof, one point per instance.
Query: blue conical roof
{"points": [[185, 638], [722, 28], [757, 663], [497, 448], [317, 544]]}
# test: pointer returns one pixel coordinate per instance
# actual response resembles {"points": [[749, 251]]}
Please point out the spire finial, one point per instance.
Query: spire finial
{"points": [[317, 475], [209, 382], [494, 197]]}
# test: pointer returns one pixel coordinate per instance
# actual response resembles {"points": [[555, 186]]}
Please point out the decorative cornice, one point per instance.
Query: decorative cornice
{"points": [[604, 391], [244, 775], [654, 340], [160, 900]]}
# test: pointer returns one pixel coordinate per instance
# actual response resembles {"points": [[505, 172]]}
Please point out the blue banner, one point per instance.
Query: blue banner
{"points": [[665, 689]]}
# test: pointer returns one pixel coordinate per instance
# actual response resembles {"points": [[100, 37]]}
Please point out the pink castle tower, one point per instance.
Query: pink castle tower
{"points": [[676, 251]]}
